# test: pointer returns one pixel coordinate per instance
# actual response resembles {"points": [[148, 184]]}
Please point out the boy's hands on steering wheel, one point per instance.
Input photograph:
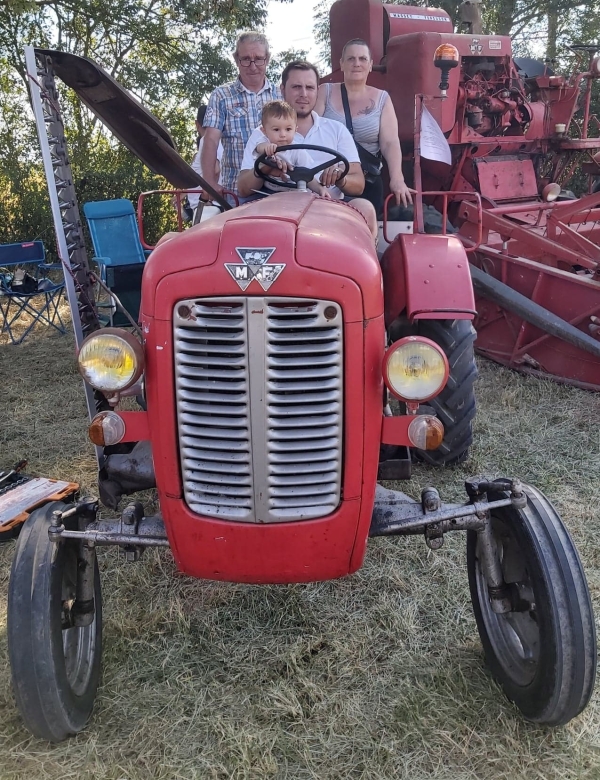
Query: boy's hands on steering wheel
{"points": [[333, 171], [277, 166]]}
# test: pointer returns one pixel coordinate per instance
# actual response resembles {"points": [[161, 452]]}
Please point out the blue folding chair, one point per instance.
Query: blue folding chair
{"points": [[40, 298], [118, 253]]}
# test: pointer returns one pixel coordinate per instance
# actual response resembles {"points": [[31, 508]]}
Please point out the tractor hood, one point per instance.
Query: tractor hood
{"points": [[132, 124]]}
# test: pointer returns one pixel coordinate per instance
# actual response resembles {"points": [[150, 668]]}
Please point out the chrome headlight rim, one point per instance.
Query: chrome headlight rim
{"points": [[401, 344], [129, 342]]}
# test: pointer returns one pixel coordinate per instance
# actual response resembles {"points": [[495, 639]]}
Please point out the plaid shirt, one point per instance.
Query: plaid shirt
{"points": [[236, 111]]}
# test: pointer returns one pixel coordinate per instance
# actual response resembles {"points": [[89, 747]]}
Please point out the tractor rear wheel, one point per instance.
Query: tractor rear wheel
{"points": [[455, 405], [55, 664], [542, 652]]}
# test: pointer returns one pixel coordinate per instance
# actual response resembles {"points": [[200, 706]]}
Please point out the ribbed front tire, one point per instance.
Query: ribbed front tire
{"points": [[455, 405], [542, 652], [55, 665]]}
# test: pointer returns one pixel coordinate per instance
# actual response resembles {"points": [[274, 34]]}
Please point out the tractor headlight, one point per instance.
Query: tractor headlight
{"points": [[415, 369], [111, 360]]}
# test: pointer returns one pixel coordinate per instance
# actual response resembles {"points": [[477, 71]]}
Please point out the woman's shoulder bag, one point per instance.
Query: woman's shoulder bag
{"points": [[370, 163]]}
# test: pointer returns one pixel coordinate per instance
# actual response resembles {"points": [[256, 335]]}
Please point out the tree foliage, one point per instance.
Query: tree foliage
{"points": [[169, 53]]}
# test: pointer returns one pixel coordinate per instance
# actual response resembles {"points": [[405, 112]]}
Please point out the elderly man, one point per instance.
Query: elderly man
{"points": [[234, 110], [299, 85]]}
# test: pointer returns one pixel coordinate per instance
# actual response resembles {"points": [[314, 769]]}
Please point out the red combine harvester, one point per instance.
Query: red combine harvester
{"points": [[514, 140], [262, 371]]}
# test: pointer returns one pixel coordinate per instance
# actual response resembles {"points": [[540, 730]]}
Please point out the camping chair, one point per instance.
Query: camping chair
{"points": [[38, 296], [119, 253]]}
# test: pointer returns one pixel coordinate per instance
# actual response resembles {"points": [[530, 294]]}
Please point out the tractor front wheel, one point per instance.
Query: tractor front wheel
{"points": [[455, 405], [55, 663], [543, 651]]}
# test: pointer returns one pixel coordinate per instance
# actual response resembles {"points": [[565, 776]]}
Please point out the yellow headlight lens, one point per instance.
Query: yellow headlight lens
{"points": [[416, 369], [109, 361]]}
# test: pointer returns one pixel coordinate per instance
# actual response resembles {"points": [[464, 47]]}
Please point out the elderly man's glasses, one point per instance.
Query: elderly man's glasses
{"points": [[247, 61]]}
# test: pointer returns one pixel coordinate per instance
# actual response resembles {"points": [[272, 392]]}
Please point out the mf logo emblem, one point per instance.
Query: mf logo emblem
{"points": [[476, 47], [254, 265]]}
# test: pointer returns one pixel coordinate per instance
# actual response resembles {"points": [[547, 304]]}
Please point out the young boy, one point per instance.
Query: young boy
{"points": [[278, 125]]}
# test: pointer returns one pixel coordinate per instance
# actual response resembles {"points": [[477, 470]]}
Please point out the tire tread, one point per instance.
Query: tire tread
{"points": [[455, 405], [573, 630], [47, 710]]}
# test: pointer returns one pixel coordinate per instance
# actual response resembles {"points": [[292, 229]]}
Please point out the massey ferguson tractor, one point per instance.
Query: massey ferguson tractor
{"points": [[518, 132], [264, 375]]}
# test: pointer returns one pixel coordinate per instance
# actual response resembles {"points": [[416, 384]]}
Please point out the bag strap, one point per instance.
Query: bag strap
{"points": [[346, 105], [368, 156]]}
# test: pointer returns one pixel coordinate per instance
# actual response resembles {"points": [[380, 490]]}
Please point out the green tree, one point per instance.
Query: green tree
{"points": [[279, 62], [168, 53]]}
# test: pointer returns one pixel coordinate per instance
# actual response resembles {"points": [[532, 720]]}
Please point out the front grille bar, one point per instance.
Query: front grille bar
{"points": [[259, 388]]}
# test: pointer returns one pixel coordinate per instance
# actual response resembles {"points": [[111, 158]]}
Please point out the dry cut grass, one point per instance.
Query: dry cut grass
{"points": [[375, 676]]}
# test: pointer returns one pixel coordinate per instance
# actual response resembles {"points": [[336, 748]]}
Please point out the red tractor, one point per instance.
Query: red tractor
{"points": [[517, 132], [264, 425]]}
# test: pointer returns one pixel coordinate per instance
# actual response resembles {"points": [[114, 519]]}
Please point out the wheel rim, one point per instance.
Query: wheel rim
{"points": [[78, 642], [515, 635]]}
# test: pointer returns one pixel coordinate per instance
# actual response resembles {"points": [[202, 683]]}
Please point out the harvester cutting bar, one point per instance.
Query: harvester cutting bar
{"points": [[532, 312], [558, 223], [528, 234], [537, 283], [534, 317]]}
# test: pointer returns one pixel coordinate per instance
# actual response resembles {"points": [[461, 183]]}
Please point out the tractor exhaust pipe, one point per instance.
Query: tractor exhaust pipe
{"points": [[531, 312]]}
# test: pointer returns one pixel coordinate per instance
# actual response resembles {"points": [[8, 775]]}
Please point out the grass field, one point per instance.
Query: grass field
{"points": [[375, 676]]}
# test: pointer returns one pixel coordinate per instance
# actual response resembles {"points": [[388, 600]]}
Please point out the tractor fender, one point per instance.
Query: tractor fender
{"points": [[427, 277]]}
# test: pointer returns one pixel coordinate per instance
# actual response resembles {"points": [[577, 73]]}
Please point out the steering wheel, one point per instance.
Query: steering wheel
{"points": [[300, 173]]}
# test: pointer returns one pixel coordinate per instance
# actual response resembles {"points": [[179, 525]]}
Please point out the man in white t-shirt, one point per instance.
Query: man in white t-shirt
{"points": [[299, 85], [193, 198]]}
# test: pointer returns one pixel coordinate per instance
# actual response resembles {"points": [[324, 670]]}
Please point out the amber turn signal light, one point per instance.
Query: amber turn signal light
{"points": [[426, 432], [106, 429]]}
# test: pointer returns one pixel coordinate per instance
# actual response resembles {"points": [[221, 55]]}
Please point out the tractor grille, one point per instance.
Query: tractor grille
{"points": [[259, 402]]}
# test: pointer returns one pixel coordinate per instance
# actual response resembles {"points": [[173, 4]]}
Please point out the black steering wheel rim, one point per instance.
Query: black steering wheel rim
{"points": [[299, 173]]}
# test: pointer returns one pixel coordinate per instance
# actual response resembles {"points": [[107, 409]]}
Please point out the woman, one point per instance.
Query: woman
{"points": [[374, 122]]}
